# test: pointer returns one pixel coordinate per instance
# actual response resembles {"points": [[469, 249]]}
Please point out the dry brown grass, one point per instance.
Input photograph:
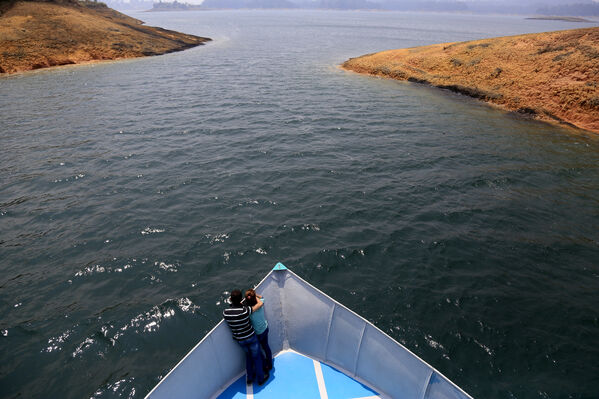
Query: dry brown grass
{"points": [[552, 76], [41, 34]]}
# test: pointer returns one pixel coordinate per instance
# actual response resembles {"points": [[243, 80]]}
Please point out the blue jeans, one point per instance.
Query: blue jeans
{"points": [[263, 339], [253, 358]]}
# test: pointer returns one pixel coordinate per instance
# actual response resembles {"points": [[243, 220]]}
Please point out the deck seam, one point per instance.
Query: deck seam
{"points": [[426, 384], [359, 349], [326, 345]]}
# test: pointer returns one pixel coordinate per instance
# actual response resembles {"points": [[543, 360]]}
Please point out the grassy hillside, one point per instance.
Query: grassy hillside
{"points": [[552, 76], [38, 34]]}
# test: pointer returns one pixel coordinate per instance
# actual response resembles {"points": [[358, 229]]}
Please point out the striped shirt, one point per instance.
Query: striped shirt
{"points": [[238, 319]]}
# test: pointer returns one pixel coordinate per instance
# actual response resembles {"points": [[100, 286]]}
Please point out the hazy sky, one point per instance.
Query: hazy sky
{"points": [[491, 2], [535, 2]]}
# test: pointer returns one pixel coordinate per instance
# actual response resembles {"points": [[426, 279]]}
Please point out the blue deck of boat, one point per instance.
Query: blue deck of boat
{"points": [[297, 376]]}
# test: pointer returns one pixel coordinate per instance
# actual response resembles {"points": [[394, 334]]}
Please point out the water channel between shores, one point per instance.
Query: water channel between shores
{"points": [[134, 195]]}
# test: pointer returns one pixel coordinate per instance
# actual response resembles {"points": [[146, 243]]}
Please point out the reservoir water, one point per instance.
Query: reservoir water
{"points": [[135, 195]]}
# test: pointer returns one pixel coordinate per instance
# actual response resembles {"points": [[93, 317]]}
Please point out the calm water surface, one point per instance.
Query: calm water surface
{"points": [[134, 195]]}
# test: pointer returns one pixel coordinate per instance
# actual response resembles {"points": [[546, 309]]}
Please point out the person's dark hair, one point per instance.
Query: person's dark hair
{"points": [[236, 297], [250, 298]]}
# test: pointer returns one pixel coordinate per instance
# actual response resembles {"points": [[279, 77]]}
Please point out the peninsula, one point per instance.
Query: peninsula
{"points": [[40, 34], [552, 76]]}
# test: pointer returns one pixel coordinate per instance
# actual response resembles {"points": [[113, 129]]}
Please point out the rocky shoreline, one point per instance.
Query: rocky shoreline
{"points": [[551, 76], [41, 34]]}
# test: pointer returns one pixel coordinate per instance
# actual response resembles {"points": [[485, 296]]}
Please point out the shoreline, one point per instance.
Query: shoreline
{"points": [[36, 35], [74, 65], [552, 120], [465, 91], [558, 18], [551, 76], [82, 62]]}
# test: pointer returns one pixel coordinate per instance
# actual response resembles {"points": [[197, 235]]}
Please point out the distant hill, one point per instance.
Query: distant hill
{"points": [[130, 5], [174, 6], [348, 4], [424, 5], [543, 7], [39, 34], [585, 9], [236, 4], [407, 5], [552, 76]]}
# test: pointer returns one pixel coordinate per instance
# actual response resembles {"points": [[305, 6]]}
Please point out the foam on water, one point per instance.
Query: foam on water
{"points": [[149, 230]]}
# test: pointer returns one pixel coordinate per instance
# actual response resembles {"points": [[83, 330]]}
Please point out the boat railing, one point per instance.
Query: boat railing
{"points": [[304, 319]]}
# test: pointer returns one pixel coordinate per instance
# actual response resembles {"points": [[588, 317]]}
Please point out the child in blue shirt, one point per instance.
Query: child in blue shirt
{"points": [[260, 325]]}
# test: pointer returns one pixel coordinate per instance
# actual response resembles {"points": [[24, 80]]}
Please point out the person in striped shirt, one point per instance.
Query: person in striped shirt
{"points": [[237, 317]]}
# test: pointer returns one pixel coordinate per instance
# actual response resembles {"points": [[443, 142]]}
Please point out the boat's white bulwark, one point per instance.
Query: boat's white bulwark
{"points": [[304, 319]]}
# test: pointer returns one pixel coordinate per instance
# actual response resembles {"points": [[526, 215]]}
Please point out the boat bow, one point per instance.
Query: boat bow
{"points": [[304, 319]]}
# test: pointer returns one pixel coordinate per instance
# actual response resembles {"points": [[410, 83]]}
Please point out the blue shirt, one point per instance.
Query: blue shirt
{"points": [[258, 320]]}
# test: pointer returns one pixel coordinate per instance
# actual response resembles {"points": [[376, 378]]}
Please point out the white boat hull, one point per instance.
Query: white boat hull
{"points": [[304, 319]]}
